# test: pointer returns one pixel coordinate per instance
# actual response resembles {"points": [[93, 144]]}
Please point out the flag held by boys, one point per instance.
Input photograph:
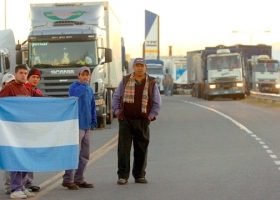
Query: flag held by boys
{"points": [[38, 134]]}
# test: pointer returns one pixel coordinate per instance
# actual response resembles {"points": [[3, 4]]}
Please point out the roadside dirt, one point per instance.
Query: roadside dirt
{"points": [[267, 104]]}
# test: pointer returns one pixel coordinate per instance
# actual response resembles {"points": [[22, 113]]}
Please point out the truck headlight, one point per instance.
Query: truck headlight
{"points": [[212, 86], [239, 84], [99, 102], [277, 85]]}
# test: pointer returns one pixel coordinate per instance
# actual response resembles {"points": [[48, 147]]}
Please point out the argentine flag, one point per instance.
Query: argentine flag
{"points": [[38, 134]]}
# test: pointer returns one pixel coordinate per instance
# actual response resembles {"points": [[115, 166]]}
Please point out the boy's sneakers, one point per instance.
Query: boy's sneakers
{"points": [[18, 195], [7, 191], [29, 194]]}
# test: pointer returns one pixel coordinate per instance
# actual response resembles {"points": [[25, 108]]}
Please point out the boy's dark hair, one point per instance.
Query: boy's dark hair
{"points": [[20, 67]]}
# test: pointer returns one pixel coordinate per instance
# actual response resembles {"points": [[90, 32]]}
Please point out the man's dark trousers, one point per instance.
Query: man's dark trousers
{"points": [[138, 132]]}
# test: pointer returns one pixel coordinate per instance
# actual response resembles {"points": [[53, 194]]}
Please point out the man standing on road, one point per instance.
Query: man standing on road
{"points": [[17, 88], [170, 84], [7, 78], [136, 102], [74, 179], [33, 79], [165, 83]]}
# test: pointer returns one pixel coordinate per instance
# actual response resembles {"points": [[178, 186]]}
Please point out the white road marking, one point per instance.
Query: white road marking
{"points": [[277, 162], [241, 127]]}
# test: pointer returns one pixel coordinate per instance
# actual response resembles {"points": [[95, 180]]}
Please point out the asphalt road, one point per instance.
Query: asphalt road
{"points": [[199, 150]]}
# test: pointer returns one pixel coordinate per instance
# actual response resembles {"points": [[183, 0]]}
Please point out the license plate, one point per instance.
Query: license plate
{"points": [[96, 108], [266, 88]]}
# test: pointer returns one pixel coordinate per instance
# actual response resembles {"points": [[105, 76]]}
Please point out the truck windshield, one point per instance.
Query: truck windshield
{"points": [[223, 62], [267, 67], [59, 54], [154, 71]]}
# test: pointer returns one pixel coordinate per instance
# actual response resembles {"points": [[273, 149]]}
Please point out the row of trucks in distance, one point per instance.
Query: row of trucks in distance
{"points": [[174, 66], [67, 36], [262, 72], [7, 53], [231, 72]]}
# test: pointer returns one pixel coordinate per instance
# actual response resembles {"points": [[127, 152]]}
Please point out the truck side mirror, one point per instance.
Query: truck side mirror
{"points": [[108, 55], [7, 61], [18, 47], [19, 57]]}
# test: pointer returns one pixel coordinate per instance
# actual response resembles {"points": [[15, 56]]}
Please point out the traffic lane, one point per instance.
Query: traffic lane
{"points": [[217, 159], [261, 119], [194, 153]]}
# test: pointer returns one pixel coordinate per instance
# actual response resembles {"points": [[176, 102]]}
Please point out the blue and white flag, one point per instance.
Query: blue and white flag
{"points": [[38, 134]]}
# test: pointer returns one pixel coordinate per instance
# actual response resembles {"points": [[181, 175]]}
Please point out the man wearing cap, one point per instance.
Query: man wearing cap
{"points": [[32, 82], [33, 79], [17, 88], [7, 78], [136, 102], [74, 179]]}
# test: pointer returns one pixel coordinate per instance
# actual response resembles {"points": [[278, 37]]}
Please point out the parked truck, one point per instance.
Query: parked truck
{"points": [[156, 69], [177, 68], [249, 51], [7, 53], [265, 74], [216, 72], [67, 36]]}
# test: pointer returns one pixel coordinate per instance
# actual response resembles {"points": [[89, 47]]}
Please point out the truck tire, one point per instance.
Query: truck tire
{"points": [[109, 111], [198, 92], [209, 97]]}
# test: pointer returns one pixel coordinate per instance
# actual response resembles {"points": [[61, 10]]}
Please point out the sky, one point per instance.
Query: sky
{"points": [[186, 25]]}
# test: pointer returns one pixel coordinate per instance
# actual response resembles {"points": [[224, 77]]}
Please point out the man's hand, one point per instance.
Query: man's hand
{"points": [[149, 118]]}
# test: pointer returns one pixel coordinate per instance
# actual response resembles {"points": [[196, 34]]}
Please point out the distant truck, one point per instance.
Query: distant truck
{"points": [[177, 68], [265, 74], [67, 36], [248, 52], [7, 53], [156, 69], [216, 72]]}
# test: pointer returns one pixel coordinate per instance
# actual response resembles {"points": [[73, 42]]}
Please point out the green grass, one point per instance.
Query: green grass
{"points": [[263, 103]]}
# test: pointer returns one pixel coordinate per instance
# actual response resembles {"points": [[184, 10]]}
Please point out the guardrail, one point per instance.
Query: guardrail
{"points": [[265, 96]]}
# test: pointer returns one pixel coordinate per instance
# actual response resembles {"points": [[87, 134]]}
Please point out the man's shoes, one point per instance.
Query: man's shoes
{"points": [[33, 188], [141, 180], [18, 195], [28, 194], [85, 185], [70, 186], [7, 191], [122, 181]]}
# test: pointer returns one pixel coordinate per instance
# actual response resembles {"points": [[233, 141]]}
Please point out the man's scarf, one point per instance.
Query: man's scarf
{"points": [[129, 92]]}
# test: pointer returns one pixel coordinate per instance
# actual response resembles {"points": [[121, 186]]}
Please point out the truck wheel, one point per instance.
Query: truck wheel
{"points": [[101, 122], [198, 91], [208, 97], [109, 111]]}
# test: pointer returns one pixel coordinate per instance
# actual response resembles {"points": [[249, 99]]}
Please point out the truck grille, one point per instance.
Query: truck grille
{"points": [[56, 85]]}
